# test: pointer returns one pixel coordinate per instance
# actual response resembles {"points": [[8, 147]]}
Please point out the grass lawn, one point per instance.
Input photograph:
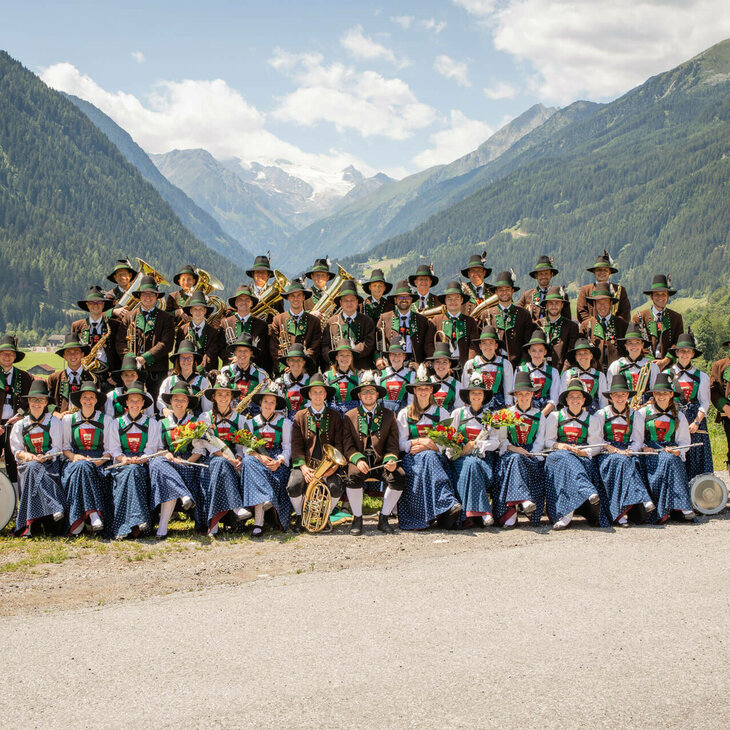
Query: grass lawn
{"points": [[41, 358]]}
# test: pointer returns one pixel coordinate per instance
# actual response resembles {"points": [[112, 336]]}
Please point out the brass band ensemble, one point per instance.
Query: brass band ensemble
{"points": [[282, 406]]}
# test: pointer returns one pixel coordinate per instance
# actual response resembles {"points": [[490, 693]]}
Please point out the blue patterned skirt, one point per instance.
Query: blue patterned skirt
{"points": [[221, 492], [698, 460], [496, 402], [41, 493], [519, 478], [394, 405], [260, 484], [169, 481], [343, 406], [130, 490], [473, 477], [428, 492], [87, 488], [665, 476], [569, 481], [621, 485]]}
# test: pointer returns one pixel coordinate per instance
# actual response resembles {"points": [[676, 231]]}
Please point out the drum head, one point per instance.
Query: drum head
{"points": [[708, 494], [7, 501]]}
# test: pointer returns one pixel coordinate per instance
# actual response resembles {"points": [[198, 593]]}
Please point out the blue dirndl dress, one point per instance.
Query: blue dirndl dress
{"points": [[473, 478], [569, 481], [620, 484], [666, 479], [263, 485], [519, 478], [698, 460], [428, 493], [87, 485]]}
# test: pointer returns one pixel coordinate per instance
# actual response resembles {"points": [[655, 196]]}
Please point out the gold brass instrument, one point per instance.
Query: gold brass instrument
{"points": [[616, 292], [283, 340], [488, 303], [270, 295], [434, 311], [642, 384], [316, 505], [245, 401], [129, 300], [325, 307], [91, 362], [132, 329], [208, 283], [382, 339]]}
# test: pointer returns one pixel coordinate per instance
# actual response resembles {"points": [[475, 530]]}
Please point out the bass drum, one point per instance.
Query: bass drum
{"points": [[8, 500], [708, 494]]}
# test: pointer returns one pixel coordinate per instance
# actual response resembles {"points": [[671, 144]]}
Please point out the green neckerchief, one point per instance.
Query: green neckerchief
{"points": [[651, 325], [362, 421], [564, 419], [608, 430], [506, 321], [242, 328], [534, 426], [650, 425], [144, 324], [373, 310], [431, 302], [454, 328], [412, 326], [553, 329], [607, 333], [297, 329], [351, 331], [97, 439], [324, 421]]}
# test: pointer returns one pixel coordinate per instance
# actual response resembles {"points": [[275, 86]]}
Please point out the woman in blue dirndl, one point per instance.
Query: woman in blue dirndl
{"points": [[473, 472], [35, 440], [221, 483], [266, 472], [86, 452], [621, 486], [342, 376], [693, 398], [172, 481], [131, 436], [429, 497], [520, 481], [583, 362], [185, 360], [665, 434], [570, 475], [494, 369]]}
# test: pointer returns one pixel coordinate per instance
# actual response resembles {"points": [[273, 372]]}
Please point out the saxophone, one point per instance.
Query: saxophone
{"points": [[245, 401], [91, 362]]}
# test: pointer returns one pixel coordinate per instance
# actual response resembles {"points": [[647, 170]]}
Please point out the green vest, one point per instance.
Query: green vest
{"points": [[572, 429], [87, 435]]}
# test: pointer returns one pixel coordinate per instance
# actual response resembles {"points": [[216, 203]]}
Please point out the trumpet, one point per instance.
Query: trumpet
{"points": [[128, 300], [270, 295], [641, 385], [316, 505], [325, 307], [245, 401]]}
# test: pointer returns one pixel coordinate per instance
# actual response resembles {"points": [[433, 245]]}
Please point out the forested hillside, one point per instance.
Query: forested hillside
{"points": [[70, 204]]}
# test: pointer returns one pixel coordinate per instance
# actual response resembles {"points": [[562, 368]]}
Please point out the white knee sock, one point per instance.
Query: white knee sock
{"points": [[355, 497], [333, 503], [390, 499], [258, 515], [297, 504], [78, 529], [166, 509], [511, 520], [95, 519]]}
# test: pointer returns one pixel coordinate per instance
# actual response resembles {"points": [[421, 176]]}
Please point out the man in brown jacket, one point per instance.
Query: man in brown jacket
{"points": [[460, 330], [313, 428], [604, 329], [602, 270], [370, 440], [355, 326], [560, 332], [64, 382], [533, 300], [244, 323], [720, 394], [296, 325]]}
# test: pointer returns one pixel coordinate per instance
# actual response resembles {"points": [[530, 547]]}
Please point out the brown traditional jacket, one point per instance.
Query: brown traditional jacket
{"points": [[383, 436], [364, 337], [668, 335], [211, 344], [308, 334], [720, 385], [421, 331], [304, 434], [155, 345], [611, 349], [515, 333], [561, 338], [585, 309], [466, 349]]}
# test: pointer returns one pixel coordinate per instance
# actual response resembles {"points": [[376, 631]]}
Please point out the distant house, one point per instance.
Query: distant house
{"points": [[41, 371], [55, 341]]}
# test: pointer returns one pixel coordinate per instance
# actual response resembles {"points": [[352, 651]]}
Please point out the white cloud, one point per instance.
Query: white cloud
{"points": [[451, 69], [364, 48], [600, 48], [432, 24], [138, 56], [404, 21], [501, 90], [364, 101], [463, 135], [197, 114]]}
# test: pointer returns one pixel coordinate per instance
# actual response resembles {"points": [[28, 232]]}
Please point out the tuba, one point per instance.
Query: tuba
{"points": [[208, 283], [316, 505], [488, 303], [270, 295], [326, 306], [128, 300]]}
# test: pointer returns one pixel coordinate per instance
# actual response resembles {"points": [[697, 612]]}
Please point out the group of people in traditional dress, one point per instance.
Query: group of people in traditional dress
{"points": [[458, 409]]}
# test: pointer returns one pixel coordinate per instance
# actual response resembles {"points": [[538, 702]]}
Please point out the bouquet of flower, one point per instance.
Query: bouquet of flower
{"points": [[183, 436], [501, 419], [448, 438], [245, 438]]}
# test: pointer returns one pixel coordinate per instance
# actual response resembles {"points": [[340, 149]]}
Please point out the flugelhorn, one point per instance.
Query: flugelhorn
{"points": [[316, 505]]}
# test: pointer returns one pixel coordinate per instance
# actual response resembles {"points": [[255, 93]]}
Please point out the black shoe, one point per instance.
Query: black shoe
{"points": [[160, 538], [258, 531], [448, 520], [295, 525], [356, 528], [384, 524]]}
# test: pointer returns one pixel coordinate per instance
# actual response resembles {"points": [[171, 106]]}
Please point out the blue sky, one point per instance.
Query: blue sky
{"points": [[396, 87]]}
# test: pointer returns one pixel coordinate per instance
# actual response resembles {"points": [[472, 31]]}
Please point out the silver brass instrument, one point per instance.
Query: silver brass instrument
{"points": [[270, 295], [325, 307], [208, 283], [316, 505], [708, 494]]}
